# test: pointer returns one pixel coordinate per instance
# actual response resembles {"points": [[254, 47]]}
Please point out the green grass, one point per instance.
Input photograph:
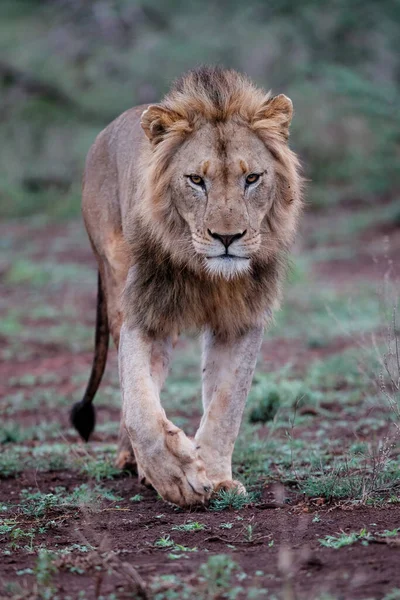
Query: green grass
{"points": [[45, 570], [164, 542], [267, 405], [35, 513], [99, 468], [330, 312], [52, 456], [328, 451], [271, 393], [37, 504], [336, 84], [347, 539], [390, 533], [71, 335], [136, 498], [10, 465], [217, 571], [219, 577], [37, 274], [231, 500], [190, 526], [393, 594], [13, 433], [354, 479]]}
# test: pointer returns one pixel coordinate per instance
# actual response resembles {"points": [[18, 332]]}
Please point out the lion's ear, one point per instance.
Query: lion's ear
{"points": [[278, 112], [157, 121]]}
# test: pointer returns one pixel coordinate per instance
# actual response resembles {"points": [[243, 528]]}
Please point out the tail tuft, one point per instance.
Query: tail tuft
{"points": [[83, 418]]}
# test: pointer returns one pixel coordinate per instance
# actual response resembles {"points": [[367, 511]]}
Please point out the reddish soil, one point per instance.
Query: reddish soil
{"points": [[284, 544], [282, 553]]}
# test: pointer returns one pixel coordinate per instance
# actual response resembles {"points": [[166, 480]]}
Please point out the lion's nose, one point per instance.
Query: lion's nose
{"points": [[226, 239]]}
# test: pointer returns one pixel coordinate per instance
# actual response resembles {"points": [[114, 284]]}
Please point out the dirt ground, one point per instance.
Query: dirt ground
{"points": [[71, 526]]}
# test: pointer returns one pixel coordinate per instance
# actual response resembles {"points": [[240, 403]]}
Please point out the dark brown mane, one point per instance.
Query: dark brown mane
{"points": [[165, 298]]}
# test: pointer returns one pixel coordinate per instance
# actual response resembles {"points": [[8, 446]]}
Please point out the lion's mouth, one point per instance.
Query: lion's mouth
{"points": [[230, 257]]}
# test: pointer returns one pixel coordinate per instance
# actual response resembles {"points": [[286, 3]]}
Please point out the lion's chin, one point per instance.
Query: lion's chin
{"points": [[226, 266]]}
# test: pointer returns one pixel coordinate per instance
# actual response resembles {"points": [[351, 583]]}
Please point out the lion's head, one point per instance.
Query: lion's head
{"points": [[221, 186]]}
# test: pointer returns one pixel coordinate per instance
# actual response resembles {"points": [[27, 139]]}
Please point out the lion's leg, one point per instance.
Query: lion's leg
{"points": [[168, 458], [114, 275], [228, 368]]}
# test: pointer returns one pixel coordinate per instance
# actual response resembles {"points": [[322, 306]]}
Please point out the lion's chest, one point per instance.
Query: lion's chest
{"points": [[165, 300]]}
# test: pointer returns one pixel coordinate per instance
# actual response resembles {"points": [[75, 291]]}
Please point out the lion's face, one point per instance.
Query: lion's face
{"points": [[222, 184], [232, 181]]}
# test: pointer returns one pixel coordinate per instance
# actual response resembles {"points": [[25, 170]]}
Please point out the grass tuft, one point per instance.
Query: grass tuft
{"points": [[192, 526], [231, 500]]}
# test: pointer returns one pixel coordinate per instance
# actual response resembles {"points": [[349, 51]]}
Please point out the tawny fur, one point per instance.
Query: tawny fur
{"points": [[161, 267], [171, 291]]}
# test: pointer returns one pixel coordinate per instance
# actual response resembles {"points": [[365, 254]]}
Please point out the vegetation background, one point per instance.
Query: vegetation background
{"points": [[68, 67], [320, 438]]}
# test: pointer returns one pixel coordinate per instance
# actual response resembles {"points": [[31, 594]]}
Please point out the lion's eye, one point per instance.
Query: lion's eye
{"points": [[197, 180], [252, 178]]}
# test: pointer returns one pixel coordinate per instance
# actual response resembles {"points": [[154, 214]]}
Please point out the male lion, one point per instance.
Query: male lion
{"points": [[190, 206]]}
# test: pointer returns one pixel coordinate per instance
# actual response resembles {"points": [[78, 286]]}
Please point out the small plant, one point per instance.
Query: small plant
{"points": [[177, 549], [316, 518], [10, 464], [27, 571], [344, 539], [10, 433], [191, 526], [226, 525], [83, 548], [18, 535], [249, 533], [267, 407], [352, 479], [393, 595], [388, 533], [181, 548], [99, 469], [217, 572], [45, 570], [164, 542], [339, 482], [37, 504], [174, 556], [230, 499], [136, 498], [7, 525]]}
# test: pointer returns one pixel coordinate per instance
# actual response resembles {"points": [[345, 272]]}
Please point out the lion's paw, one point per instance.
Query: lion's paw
{"points": [[230, 484], [126, 461], [175, 470]]}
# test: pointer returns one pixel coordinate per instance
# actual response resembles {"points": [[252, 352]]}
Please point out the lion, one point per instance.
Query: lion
{"points": [[191, 206]]}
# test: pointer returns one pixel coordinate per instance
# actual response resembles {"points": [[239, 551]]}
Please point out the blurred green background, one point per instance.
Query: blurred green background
{"points": [[323, 414], [68, 67]]}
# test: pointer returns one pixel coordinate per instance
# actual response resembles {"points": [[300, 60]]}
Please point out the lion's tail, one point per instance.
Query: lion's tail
{"points": [[83, 416]]}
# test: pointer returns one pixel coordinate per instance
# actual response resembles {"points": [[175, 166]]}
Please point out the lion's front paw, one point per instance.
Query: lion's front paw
{"points": [[175, 470], [230, 484], [126, 461]]}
